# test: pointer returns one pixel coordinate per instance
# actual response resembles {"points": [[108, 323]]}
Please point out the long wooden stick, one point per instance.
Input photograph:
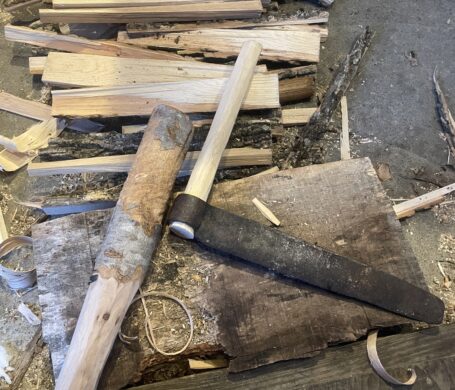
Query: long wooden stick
{"points": [[201, 179], [124, 257]]}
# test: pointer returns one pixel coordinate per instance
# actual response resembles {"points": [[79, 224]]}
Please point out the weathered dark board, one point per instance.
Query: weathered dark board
{"points": [[256, 317], [430, 352]]}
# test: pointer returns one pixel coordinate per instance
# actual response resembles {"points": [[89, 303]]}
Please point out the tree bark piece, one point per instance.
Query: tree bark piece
{"points": [[73, 44], [132, 236], [242, 9], [320, 120]]}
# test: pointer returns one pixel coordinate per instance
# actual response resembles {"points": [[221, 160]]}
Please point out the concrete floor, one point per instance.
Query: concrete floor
{"points": [[391, 107]]}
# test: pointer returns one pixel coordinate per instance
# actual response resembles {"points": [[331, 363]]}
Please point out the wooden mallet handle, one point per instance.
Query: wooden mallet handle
{"points": [[201, 179], [131, 238]]}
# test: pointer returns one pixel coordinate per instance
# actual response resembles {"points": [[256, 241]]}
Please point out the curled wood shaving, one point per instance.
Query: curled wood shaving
{"points": [[379, 368]]}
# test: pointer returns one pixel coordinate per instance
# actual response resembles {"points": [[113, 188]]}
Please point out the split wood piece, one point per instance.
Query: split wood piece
{"points": [[135, 31], [267, 171], [345, 366], [409, 207], [278, 45], [125, 254], [242, 9], [211, 282], [65, 4], [445, 116], [42, 112], [266, 212], [131, 129], [75, 44], [3, 230], [11, 162], [320, 120], [36, 137], [231, 158], [297, 116], [81, 70], [24, 107], [345, 149], [296, 89], [36, 64], [207, 364], [188, 96]]}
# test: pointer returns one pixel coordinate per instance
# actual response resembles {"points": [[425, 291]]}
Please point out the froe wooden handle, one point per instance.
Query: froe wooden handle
{"points": [[201, 179], [131, 238]]}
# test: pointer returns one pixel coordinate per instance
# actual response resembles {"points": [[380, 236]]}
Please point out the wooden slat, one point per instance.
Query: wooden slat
{"points": [[297, 116], [74, 44], [177, 27], [24, 107], [81, 70], [286, 45], [188, 96], [160, 13], [236, 157], [59, 4], [345, 150], [296, 89], [409, 207], [347, 367]]}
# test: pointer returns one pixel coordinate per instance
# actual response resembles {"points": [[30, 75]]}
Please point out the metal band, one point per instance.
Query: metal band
{"points": [[188, 209]]}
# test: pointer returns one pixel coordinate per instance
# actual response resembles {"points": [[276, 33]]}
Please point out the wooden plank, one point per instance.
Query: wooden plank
{"points": [[242, 9], [409, 207], [52, 40], [60, 310], [281, 45], [296, 89], [81, 70], [36, 64], [235, 157], [188, 96], [345, 150], [297, 116], [24, 107], [346, 367], [326, 197], [58, 4], [136, 31]]}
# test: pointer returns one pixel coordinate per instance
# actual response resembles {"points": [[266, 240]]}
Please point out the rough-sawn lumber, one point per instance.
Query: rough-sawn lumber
{"points": [[242, 9], [278, 45], [188, 96]]}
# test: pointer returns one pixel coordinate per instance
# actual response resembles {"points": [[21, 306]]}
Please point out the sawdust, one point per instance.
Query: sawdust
{"points": [[39, 374]]}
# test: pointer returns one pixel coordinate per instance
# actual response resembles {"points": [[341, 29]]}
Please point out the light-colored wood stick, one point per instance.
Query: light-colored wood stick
{"points": [[65, 4], [124, 257], [3, 230], [279, 45], [36, 64], [82, 70], [235, 92], [207, 364], [236, 157], [24, 107], [266, 212], [297, 116], [409, 207], [187, 96], [75, 44], [345, 149], [242, 9]]}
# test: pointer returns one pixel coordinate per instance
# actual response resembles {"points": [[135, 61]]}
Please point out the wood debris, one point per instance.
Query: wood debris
{"points": [[266, 212]]}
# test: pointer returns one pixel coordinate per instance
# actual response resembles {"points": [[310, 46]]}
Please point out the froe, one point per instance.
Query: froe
{"points": [[193, 218]]}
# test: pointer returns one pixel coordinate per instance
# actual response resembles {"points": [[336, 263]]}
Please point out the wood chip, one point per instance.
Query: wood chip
{"points": [[265, 211]]}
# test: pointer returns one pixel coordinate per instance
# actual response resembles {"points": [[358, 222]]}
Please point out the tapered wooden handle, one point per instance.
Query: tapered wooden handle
{"points": [[132, 236], [204, 171]]}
